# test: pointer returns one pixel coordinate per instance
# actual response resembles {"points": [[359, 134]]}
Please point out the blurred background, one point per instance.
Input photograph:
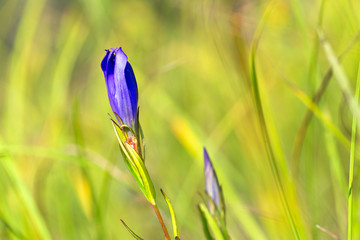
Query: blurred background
{"points": [[61, 172]]}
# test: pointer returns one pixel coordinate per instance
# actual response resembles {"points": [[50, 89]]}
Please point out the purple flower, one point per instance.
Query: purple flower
{"points": [[212, 186], [121, 86]]}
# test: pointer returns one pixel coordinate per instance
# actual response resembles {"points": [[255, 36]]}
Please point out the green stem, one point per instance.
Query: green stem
{"points": [[352, 161], [156, 209]]}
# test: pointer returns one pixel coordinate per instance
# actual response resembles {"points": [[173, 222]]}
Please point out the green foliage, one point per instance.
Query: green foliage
{"points": [[131, 231], [173, 217], [210, 224], [136, 165]]}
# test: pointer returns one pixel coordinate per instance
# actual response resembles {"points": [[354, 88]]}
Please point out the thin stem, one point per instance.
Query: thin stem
{"points": [[156, 209], [352, 161]]}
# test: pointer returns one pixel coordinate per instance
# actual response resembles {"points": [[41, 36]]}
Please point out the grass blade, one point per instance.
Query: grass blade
{"points": [[211, 222], [40, 229], [172, 212], [268, 145], [205, 225], [340, 76], [131, 231], [311, 105], [352, 161]]}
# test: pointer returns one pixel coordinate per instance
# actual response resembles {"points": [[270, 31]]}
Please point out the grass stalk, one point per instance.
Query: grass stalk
{"points": [[264, 129], [268, 146], [352, 161]]}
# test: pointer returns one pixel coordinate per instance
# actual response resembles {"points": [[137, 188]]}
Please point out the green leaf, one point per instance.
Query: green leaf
{"points": [[324, 119], [340, 76], [205, 225], [129, 163], [131, 231], [211, 222], [150, 193], [352, 163], [172, 212], [10, 228], [136, 165], [269, 145]]}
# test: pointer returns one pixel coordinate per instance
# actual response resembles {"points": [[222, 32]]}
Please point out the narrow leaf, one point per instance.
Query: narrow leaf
{"points": [[211, 222], [172, 212], [11, 229], [352, 163], [131, 231], [205, 225], [130, 165], [340, 76], [269, 146], [326, 121], [150, 193]]}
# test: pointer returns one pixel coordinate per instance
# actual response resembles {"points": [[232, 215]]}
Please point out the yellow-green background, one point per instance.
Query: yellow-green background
{"points": [[61, 171]]}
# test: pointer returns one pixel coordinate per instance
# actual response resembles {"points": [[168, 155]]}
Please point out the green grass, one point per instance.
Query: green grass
{"points": [[286, 157]]}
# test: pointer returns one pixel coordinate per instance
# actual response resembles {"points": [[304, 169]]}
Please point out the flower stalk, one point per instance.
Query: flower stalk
{"points": [[158, 215]]}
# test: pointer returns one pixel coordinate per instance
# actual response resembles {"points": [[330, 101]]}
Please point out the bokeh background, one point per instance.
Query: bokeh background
{"points": [[61, 172]]}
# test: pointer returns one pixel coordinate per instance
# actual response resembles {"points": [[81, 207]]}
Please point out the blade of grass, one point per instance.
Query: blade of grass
{"points": [[332, 235], [319, 114], [131, 231], [352, 101], [338, 180], [313, 77], [264, 128], [172, 212], [211, 222], [316, 99], [352, 161], [205, 225], [269, 148], [15, 110], [39, 227], [10, 228], [335, 163], [340, 76]]}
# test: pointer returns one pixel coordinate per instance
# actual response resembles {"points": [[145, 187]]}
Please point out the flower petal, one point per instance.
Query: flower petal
{"points": [[105, 61], [132, 86], [126, 89], [110, 80], [121, 86]]}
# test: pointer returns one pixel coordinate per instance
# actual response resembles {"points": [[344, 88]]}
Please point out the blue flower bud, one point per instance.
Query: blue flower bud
{"points": [[212, 186], [121, 87]]}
